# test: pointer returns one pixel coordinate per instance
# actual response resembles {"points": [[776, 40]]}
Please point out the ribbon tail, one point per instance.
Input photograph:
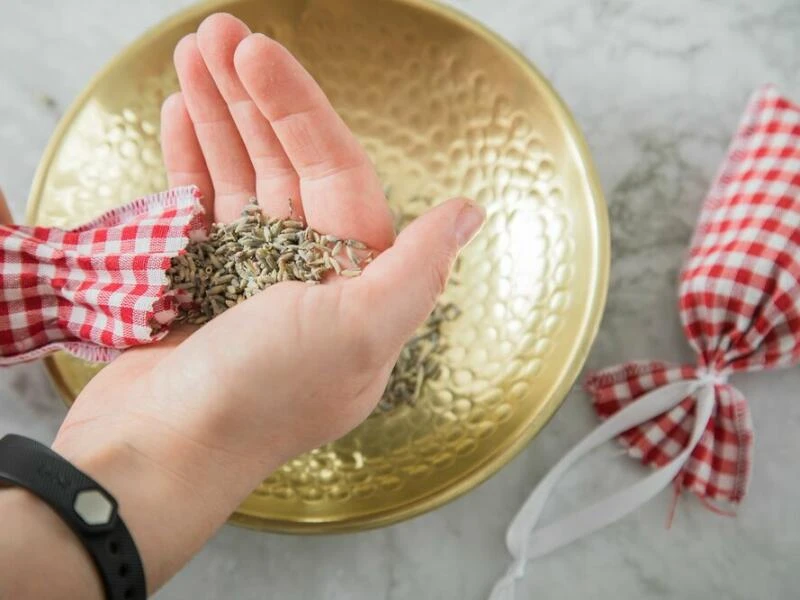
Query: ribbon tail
{"points": [[523, 545], [503, 588]]}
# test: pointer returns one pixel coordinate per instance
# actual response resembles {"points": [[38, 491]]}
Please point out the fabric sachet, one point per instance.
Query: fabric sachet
{"points": [[739, 302], [96, 289]]}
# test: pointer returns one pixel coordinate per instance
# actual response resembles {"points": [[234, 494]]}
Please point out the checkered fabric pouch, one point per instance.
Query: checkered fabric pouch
{"points": [[739, 301], [96, 289]]}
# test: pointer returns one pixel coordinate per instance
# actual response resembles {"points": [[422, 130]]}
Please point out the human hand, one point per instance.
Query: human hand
{"points": [[295, 366]]}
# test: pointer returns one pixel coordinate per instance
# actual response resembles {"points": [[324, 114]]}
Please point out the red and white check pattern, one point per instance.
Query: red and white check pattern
{"points": [[94, 290], [739, 304]]}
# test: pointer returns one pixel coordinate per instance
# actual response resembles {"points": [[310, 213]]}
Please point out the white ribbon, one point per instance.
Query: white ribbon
{"points": [[525, 543]]}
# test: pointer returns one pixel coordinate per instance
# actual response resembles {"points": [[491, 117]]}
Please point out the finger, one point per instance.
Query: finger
{"points": [[341, 191], [398, 290], [228, 164], [276, 180], [5, 213], [183, 157]]}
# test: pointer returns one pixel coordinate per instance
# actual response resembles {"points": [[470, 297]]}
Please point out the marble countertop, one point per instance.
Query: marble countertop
{"points": [[658, 88]]}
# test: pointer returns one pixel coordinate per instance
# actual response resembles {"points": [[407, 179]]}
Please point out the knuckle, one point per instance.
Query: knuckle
{"points": [[438, 274]]}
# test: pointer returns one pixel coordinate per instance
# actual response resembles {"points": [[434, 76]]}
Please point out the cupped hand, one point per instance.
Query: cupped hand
{"points": [[294, 366]]}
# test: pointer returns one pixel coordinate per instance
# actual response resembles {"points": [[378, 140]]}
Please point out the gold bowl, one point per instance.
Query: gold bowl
{"points": [[444, 108]]}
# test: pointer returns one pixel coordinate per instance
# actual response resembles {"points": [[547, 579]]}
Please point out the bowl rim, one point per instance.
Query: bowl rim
{"points": [[493, 462]]}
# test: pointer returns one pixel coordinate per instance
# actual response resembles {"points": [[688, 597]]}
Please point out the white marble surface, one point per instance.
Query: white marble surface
{"points": [[658, 88]]}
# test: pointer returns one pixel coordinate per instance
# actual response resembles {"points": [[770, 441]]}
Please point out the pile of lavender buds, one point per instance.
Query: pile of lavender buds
{"points": [[239, 259]]}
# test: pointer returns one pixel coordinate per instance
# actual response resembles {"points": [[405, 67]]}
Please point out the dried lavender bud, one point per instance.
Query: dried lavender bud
{"points": [[241, 258]]}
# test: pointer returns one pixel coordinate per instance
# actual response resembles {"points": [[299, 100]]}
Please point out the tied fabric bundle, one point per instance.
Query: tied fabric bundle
{"points": [[96, 289], [739, 304], [739, 300]]}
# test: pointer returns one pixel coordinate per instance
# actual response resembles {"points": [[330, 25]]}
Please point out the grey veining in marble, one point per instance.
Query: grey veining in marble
{"points": [[658, 88]]}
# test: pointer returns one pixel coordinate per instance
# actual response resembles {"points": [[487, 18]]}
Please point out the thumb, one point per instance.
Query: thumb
{"points": [[399, 289]]}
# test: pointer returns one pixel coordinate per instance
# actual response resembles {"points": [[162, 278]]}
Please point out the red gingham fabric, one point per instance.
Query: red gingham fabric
{"points": [[97, 289], [739, 302]]}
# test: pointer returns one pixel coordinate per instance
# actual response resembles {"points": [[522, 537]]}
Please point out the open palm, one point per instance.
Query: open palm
{"points": [[296, 365]]}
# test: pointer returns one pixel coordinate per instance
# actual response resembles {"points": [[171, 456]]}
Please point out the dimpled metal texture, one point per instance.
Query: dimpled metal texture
{"points": [[444, 109]]}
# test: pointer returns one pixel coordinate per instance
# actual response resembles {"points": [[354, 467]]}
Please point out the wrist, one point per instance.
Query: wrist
{"points": [[63, 570], [172, 494]]}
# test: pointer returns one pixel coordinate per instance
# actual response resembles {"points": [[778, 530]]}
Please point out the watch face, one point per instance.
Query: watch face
{"points": [[94, 507]]}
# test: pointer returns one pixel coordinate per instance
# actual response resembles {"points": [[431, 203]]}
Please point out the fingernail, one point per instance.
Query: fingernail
{"points": [[468, 222]]}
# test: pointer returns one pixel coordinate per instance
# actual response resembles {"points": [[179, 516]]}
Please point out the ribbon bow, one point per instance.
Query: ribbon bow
{"points": [[739, 303]]}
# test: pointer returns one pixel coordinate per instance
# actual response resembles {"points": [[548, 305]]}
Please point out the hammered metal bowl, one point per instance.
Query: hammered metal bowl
{"points": [[444, 108]]}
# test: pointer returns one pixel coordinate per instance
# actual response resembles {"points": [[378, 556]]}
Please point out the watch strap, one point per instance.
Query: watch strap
{"points": [[89, 510]]}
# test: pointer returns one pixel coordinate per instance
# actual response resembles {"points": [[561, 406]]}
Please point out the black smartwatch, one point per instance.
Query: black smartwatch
{"points": [[89, 510]]}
